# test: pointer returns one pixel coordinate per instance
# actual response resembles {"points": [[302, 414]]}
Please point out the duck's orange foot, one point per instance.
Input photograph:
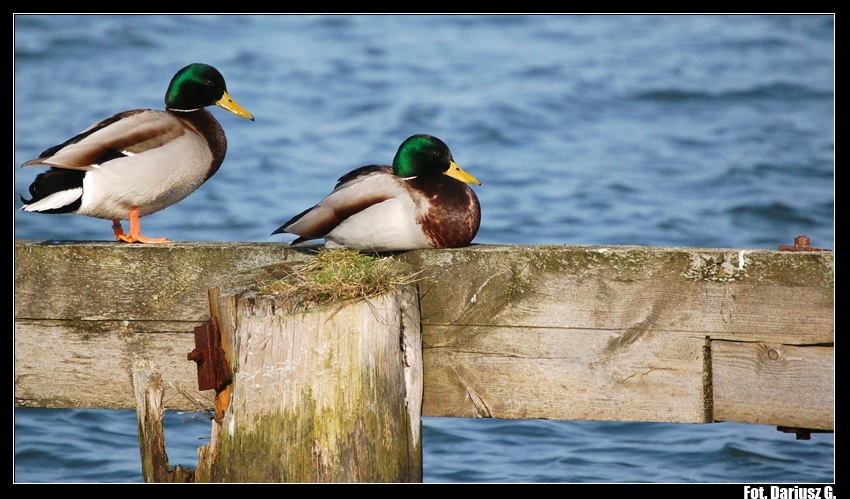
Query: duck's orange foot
{"points": [[138, 238], [134, 236]]}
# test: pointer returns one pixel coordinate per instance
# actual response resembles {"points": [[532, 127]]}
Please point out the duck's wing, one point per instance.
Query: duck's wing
{"points": [[124, 134], [354, 192]]}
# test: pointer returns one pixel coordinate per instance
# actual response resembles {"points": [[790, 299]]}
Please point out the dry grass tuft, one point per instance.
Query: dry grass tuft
{"points": [[338, 275]]}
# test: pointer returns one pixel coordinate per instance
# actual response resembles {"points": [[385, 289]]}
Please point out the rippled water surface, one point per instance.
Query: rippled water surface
{"points": [[699, 131]]}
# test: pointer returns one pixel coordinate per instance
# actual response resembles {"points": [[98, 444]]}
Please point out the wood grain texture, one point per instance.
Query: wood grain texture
{"points": [[88, 364], [133, 282], [774, 384], [726, 294], [147, 386], [319, 396], [579, 375], [574, 332], [606, 333]]}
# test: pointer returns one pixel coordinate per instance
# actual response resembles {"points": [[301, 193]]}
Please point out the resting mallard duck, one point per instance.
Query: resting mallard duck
{"points": [[421, 201], [138, 162]]}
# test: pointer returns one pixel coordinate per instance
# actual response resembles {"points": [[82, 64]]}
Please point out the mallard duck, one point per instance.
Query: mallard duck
{"points": [[138, 162], [421, 201]]}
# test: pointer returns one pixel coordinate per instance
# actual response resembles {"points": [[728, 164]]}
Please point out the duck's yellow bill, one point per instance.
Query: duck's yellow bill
{"points": [[227, 102], [457, 172]]}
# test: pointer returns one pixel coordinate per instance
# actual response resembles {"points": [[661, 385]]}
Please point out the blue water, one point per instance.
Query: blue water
{"points": [[698, 131]]}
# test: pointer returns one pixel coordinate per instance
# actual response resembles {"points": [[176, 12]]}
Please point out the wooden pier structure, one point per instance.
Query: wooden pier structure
{"points": [[616, 333]]}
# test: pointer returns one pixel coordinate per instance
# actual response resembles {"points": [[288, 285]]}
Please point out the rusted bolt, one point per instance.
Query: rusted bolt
{"points": [[801, 243], [196, 356]]}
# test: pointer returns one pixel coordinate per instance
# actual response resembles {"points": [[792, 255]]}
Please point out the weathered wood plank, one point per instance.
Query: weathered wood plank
{"points": [[557, 374], [606, 333], [86, 364], [133, 282], [774, 384], [745, 295], [516, 313]]}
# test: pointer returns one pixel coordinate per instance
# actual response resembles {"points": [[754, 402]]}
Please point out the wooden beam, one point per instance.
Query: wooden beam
{"points": [[568, 332], [613, 333], [774, 384]]}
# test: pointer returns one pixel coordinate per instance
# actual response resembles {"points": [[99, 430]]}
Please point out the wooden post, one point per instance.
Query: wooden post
{"points": [[148, 389], [331, 394]]}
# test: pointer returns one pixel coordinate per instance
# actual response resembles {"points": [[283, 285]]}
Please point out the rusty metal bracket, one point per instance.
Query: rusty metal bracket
{"points": [[801, 243], [213, 370], [802, 433]]}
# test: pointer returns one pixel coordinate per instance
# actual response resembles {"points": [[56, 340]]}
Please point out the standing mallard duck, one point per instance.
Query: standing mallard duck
{"points": [[138, 162], [421, 201]]}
